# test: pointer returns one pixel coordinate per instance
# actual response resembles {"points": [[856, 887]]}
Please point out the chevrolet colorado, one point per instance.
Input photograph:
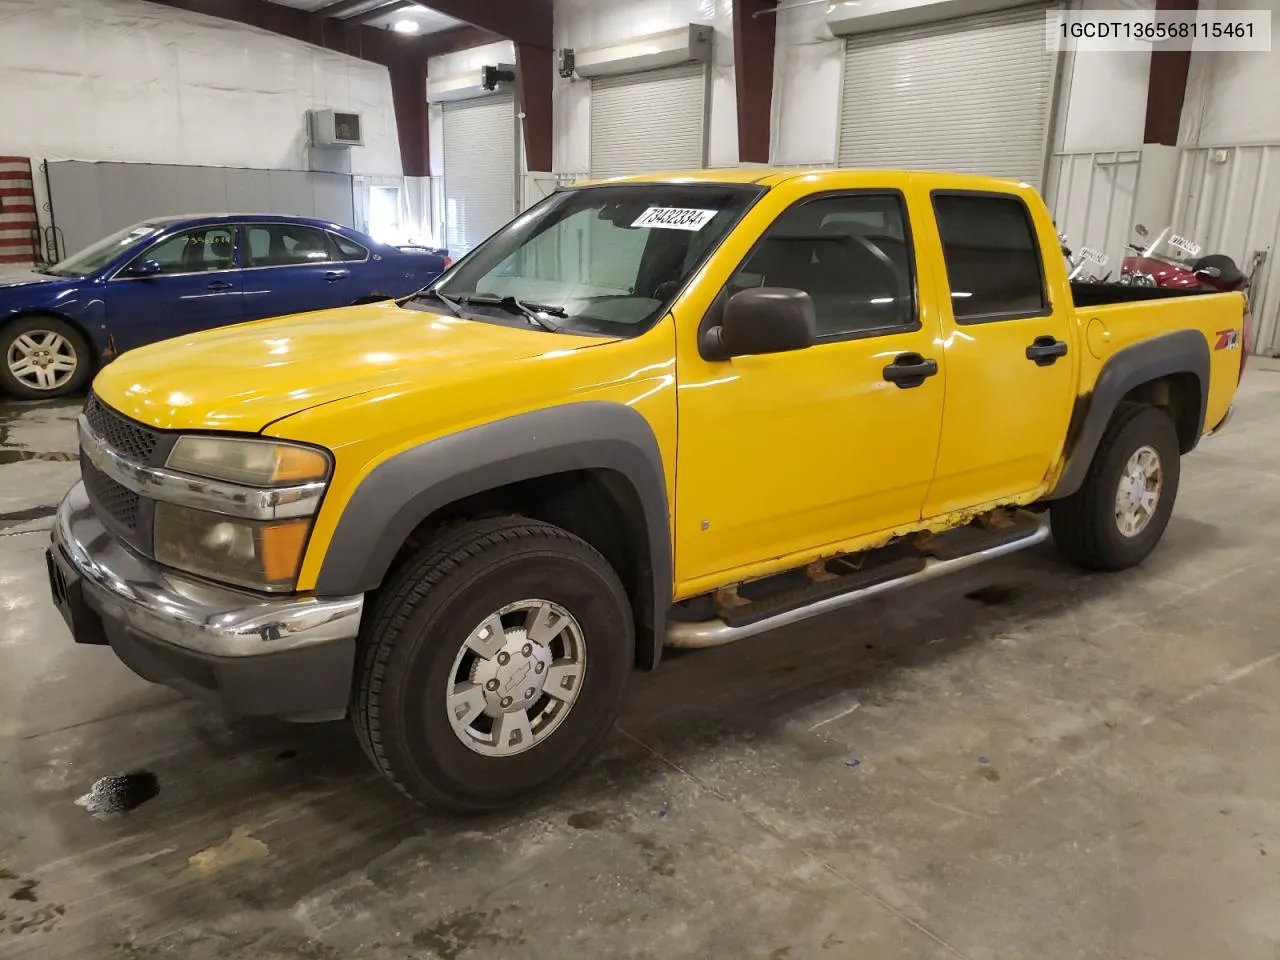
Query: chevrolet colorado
{"points": [[673, 410]]}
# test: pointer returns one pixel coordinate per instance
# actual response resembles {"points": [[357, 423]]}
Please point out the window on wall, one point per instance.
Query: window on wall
{"points": [[992, 257], [285, 244], [195, 251], [851, 254]]}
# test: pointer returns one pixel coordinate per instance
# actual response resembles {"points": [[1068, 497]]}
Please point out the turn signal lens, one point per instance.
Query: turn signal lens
{"points": [[258, 463], [245, 553]]}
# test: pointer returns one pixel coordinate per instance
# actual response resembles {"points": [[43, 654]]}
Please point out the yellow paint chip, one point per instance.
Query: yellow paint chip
{"points": [[237, 848]]}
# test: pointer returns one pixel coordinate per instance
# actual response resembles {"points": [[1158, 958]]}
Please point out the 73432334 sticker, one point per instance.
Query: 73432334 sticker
{"points": [[675, 218]]}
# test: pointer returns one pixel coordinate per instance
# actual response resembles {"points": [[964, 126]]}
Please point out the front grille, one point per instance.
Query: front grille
{"points": [[131, 440], [117, 502]]}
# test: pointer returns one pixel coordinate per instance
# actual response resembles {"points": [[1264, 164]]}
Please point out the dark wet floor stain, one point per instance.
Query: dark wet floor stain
{"points": [[26, 891], [44, 919], [53, 456], [10, 875], [990, 773], [457, 933], [586, 820], [993, 596], [112, 796], [14, 517], [286, 754], [660, 859]]}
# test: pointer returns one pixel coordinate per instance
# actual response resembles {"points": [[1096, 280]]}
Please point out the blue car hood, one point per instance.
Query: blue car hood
{"points": [[22, 278]]}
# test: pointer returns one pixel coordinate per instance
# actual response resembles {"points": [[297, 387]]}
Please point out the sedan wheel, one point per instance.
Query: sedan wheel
{"points": [[42, 360]]}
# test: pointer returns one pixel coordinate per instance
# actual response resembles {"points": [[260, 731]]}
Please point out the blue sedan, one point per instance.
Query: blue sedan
{"points": [[175, 275]]}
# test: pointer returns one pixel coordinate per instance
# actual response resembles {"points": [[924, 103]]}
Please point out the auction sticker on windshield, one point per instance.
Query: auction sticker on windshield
{"points": [[675, 218]]}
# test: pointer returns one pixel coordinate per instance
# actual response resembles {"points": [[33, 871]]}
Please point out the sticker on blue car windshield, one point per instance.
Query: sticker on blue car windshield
{"points": [[674, 218]]}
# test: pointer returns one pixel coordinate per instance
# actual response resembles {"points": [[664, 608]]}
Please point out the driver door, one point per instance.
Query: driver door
{"points": [[782, 454], [198, 286]]}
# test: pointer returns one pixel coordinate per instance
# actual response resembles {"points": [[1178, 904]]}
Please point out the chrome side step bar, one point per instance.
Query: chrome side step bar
{"points": [[715, 633]]}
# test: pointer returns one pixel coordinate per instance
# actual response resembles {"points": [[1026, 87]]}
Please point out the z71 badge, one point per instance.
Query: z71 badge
{"points": [[1228, 340]]}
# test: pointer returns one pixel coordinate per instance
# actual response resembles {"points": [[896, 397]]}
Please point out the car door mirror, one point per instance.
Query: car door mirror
{"points": [[145, 268], [1213, 273], [762, 320]]}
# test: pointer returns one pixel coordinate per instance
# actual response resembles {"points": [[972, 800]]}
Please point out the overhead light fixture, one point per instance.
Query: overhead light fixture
{"points": [[405, 26]]}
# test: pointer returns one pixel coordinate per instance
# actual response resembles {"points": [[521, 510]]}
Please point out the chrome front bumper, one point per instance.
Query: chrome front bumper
{"points": [[262, 655]]}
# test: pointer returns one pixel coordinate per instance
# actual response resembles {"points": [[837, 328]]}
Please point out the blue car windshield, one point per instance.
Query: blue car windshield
{"points": [[603, 260], [96, 256]]}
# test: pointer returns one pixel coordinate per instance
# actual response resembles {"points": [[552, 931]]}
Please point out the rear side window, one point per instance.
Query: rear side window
{"points": [[285, 244], [992, 258], [348, 249]]}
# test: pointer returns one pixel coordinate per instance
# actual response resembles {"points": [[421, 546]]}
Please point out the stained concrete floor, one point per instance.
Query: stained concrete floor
{"points": [[1023, 761]]}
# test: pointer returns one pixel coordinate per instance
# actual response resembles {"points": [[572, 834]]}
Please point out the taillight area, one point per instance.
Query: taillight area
{"points": [[1245, 330]]}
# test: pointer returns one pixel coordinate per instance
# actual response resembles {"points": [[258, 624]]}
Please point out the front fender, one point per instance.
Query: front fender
{"points": [[403, 491]]}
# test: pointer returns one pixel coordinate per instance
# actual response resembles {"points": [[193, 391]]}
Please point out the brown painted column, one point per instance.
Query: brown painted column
{"points": [[1167, 85], [409, 100], [753, 39], [534, 65]]}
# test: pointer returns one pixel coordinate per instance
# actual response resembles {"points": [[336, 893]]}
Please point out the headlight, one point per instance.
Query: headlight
{"points": [[255, 463], [248, 553]]}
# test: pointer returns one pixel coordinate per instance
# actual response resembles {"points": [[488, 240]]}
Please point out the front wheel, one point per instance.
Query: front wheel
{"points": [[492, 664], [42, 358], [1120, 512]]}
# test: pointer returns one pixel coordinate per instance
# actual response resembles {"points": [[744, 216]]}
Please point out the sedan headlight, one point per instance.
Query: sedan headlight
{"points": [[262, 555], [255, 463]]}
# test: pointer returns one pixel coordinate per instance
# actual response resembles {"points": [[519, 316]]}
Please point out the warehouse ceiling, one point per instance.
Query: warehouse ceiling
{"points": [[401, 15]]}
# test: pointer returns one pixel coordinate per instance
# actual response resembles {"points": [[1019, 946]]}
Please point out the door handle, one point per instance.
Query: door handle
{"points": [[1046, 350], [910, 370], [332, 275], [220, 285]]}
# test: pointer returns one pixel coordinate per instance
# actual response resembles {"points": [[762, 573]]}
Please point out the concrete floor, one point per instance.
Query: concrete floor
{"points": [[1055, 766]]}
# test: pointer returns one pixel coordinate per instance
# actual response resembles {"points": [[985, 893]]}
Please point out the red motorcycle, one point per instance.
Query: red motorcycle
{"points": [[1174, 262]]}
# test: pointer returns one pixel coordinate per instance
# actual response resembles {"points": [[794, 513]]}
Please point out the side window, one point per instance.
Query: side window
{"points": [[992, 258], [348, 249], [194, 251], [285, 244], [851, 253]]}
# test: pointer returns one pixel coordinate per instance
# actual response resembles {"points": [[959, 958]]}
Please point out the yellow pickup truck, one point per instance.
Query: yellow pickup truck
{"points": [[666, 410]]}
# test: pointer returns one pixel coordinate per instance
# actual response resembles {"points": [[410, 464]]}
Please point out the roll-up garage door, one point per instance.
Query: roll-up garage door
{"points": [[479, 169], [970, 95], [649, 121]]}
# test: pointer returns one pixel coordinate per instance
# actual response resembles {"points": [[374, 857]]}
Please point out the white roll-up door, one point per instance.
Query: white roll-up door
{"points": [[654, 120], [970, 95], [479, 169]]}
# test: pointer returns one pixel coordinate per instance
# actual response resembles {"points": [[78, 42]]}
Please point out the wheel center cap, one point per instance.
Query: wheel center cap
{"points": [[514, 678]]}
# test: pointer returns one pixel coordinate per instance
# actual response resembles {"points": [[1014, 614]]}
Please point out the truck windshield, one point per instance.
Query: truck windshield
{"points": [[602, 260]]}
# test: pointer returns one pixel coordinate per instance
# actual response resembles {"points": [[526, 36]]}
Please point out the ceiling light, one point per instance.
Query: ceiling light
{"points": [[405, 26]]}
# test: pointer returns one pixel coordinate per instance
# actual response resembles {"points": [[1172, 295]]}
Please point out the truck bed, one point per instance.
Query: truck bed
{"points": [[1098, 294]]}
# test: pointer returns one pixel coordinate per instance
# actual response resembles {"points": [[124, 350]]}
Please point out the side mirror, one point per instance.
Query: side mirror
{"points": [[762, 320], [145, 268], [1213, 273]]}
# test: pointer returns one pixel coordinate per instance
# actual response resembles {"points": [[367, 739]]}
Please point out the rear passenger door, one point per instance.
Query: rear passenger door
{"points": [[292, 268], [780, 454], [1011, 368]]}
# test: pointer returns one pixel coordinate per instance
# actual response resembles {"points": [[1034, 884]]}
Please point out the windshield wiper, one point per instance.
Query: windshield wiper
{"points": [[533, 311], [447, 301]]}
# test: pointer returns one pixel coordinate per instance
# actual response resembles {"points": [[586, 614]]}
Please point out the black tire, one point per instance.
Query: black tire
{"points": [[1084, 524], [417, 626], [76, 342]]}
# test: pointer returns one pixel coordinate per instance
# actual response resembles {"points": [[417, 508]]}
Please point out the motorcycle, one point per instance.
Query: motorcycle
{"points": [[1174, 262], [1082, 263]]}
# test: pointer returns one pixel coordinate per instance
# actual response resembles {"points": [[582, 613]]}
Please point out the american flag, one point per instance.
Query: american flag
{"points": [[19, 236]]}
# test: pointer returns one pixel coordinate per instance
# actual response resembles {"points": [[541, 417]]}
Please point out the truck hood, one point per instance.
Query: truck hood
{"points": [[245, 377]]}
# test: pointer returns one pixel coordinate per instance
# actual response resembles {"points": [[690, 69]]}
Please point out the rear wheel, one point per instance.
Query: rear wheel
{"points": [[1120, 512], [42, 358], [492, 665]]}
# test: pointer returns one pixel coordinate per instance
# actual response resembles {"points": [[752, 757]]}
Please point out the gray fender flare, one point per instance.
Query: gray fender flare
{"points": [[1184, 351], [406, 489]]}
